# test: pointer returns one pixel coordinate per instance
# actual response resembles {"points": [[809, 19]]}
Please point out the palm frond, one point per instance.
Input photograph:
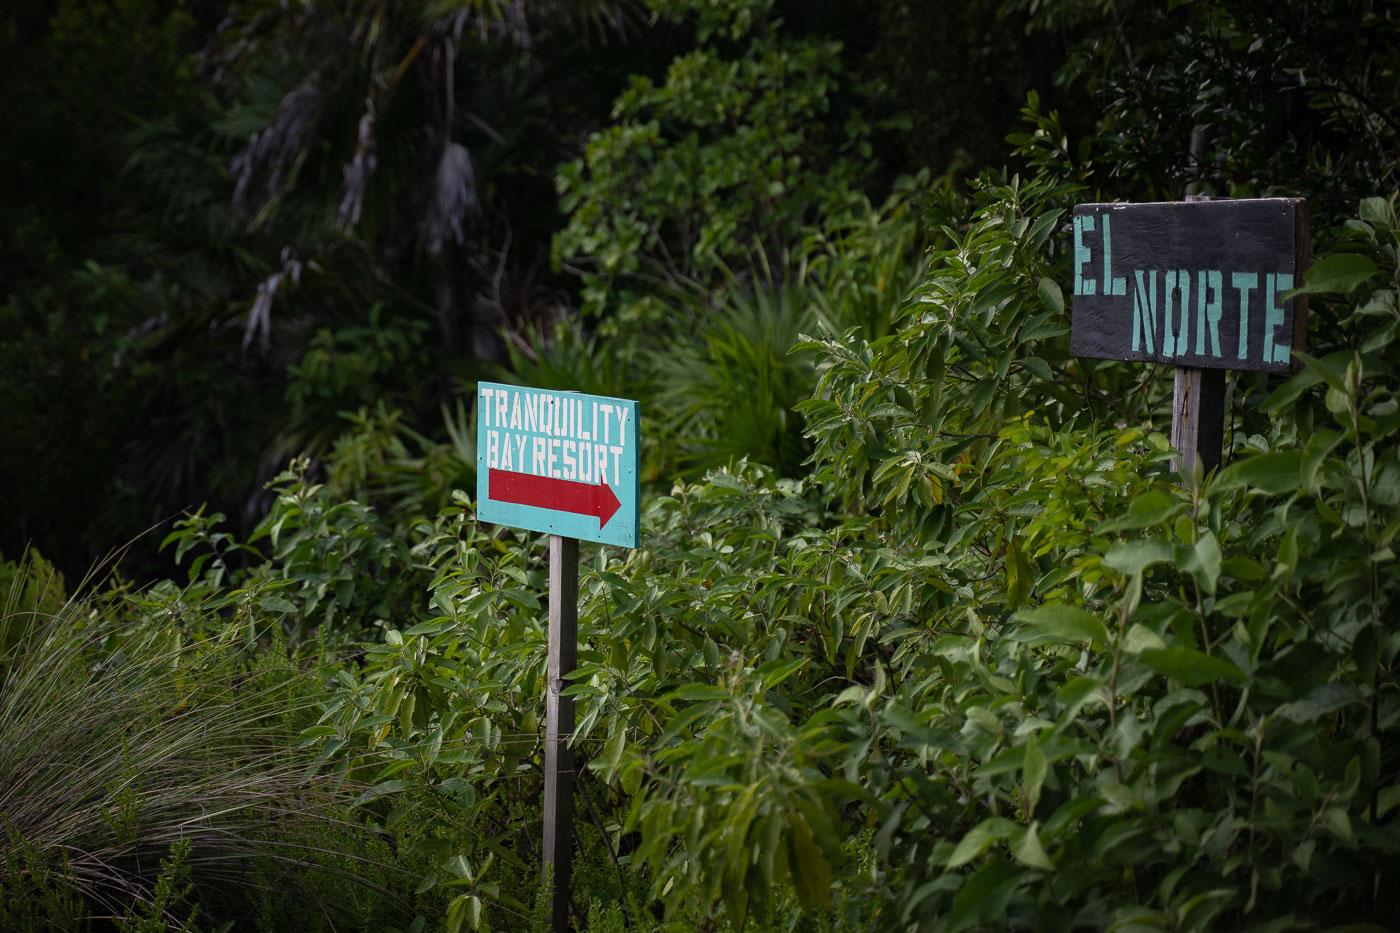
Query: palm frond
{"points": [[263, 165], [452, 199]]}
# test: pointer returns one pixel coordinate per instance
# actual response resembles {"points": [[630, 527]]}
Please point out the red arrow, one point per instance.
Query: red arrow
{"points": [[561, 495]]}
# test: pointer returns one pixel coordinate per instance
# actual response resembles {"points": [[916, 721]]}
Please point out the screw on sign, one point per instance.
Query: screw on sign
{"points": [[1198, 284], [566, 464]]}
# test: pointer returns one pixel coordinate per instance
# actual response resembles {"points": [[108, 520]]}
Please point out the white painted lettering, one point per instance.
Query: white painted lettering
{"points": [[585, 461], [484, 403], [607, 409]]}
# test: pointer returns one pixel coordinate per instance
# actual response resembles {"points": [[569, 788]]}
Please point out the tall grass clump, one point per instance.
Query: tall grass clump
{"points": [[124, 745]]}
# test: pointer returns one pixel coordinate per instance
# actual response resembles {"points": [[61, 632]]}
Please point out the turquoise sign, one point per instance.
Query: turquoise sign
{"points": [[558, 462]]}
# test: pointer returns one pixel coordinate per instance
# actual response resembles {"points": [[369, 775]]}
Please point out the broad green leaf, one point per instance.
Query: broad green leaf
{"points": [[1325, 699], [901, 718], [982, 899], [1141, 638], [1150, 508], [700, 693], [809, 864], [1037, 367], [1275, 472], [1386, 799], [460, 867], [1331, 369], [1336, 821], [463, 908], [1319, 446], [1026, 847], [1289, 391], [777, 671], [1190, 667], [276, 604], [315, 733], [1065, 623], [1133, 557], [1378, 212], [1018, 572], [1338, 274], [978, 838], [410, 702], [1077, 692], [1049, 292], [378, 790], [1033, 772], [612, 752], [1203, 561]]}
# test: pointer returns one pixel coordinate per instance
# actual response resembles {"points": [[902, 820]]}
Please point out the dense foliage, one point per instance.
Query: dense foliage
{"points": [[924, 633]]}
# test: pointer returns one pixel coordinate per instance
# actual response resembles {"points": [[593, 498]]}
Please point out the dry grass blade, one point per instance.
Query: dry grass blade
{"points": [[116, 744]]}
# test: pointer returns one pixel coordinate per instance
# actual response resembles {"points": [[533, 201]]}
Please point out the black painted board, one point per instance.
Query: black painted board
{"points": [[1193, 284]]}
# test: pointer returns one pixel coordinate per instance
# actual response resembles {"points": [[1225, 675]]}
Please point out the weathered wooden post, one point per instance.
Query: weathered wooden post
{"points": [[1195, 284], [559, 723], [566, 464]]}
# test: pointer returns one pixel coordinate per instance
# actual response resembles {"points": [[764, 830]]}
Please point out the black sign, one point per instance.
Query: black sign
{"points": [[1192, 283]]}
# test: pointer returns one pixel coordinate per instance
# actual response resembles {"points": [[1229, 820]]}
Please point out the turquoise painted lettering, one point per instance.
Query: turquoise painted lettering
{"points": [[1112, 285], [1209, 307], [1245, 282], [1082, 286], [1176, 326], [1144, 311], [1275, 350]]}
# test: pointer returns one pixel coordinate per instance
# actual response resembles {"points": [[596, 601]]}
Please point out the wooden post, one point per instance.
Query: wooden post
{"points": [[559, 725], [1198, 395], [1198, 418]]}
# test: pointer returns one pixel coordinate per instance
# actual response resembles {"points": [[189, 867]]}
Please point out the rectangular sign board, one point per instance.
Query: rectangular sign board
{"points": [[1195, 283], [558, 462]]}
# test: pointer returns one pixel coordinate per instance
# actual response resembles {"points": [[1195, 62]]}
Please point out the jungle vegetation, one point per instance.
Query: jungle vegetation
{"points": [[925, 632]]}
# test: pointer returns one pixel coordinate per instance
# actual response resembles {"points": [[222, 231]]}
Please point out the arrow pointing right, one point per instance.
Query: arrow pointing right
{"points": [[560, 495]]}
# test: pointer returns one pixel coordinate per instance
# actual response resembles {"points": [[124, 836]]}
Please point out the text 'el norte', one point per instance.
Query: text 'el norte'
{"points": [[558, 462], [1194, 283]]}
